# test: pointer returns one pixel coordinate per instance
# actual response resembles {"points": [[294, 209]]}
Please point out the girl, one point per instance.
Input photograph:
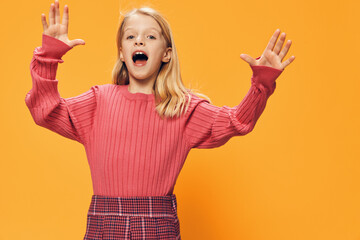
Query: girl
{"points": [[138, 131]]}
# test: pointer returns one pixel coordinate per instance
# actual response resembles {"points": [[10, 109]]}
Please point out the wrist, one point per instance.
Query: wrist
{"points": [[264, 77], [53, 47], [264, 74]]}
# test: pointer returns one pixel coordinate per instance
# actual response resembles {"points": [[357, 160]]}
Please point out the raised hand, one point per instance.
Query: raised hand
{"points": [[271, 56], [55, 28]]}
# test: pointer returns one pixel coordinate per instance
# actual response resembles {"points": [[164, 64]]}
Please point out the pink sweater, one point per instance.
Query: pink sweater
{"points": [[130, 150]]}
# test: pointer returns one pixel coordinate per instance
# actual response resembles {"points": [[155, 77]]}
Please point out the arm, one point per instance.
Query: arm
{"points": [[209, 126], [71, 117]]}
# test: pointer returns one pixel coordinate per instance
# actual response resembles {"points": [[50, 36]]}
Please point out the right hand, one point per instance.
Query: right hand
{"points": [[56, 29]]}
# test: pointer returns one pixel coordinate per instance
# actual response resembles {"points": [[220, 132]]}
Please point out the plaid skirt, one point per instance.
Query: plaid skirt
{"points": [[140, 217]]}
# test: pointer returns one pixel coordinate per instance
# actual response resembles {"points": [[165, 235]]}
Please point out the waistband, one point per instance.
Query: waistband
{"points": [[144, 206]]}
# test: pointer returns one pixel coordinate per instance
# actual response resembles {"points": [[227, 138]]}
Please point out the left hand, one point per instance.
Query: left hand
{"points": [[271, 56]]}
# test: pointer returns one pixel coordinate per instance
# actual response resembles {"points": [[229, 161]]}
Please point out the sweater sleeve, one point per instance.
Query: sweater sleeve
{"points": [[70, 117], [210, 126]]}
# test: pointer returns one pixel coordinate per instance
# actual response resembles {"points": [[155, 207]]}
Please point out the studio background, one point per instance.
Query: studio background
{"points": [[295, 176]]}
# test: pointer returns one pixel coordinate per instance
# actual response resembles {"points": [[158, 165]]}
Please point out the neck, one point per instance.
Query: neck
{"points": [[142, 85], [135, 87]]}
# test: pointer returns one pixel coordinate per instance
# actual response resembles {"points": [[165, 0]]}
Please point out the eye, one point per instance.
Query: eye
{"points": [[152, 36], [129, 36]]}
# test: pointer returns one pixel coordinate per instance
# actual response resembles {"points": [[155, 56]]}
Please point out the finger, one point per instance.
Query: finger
{"points": [[279, 43], [43, 20], [75, 42], [51, 15], [247, 59], [287, 62], [65, 20], [272, 41], [57, 12], [285, 50]]}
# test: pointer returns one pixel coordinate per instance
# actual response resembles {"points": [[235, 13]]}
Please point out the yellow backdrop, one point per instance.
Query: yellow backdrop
{"points": [[295, 176]]}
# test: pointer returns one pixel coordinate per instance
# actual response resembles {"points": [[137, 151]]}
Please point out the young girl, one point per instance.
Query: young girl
{"points": [[138, 131]]}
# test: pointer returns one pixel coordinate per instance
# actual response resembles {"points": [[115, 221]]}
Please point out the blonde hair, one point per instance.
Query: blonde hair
{"points": [[170, 92]]}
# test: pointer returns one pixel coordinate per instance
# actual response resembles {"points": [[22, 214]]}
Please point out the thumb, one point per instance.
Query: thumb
{"points": [[247, 59], [76, 42]]}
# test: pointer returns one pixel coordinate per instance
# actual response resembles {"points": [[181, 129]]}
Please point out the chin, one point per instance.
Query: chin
{"points": [[141, 76]]}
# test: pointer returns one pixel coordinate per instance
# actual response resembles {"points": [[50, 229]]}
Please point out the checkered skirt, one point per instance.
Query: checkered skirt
{"points": [[140, 217]]}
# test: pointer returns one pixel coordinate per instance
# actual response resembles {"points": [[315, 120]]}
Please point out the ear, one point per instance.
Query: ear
{"points": [[167, 55], [121, 55]]}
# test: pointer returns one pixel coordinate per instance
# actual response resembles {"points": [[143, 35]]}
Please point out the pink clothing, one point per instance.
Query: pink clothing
{"points": [[130, 150]]}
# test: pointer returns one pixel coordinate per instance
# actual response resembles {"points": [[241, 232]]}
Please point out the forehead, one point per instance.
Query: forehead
{"points": [[141, 22]]}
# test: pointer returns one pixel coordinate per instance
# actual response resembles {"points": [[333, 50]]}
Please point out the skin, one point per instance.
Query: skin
{"points": [[142, 32], [55, 28], [152, 42], [272, 56]]}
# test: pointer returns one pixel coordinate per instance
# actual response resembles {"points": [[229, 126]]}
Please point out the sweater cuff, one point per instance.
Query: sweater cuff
{"points": [[53, 47], [264, 77]]}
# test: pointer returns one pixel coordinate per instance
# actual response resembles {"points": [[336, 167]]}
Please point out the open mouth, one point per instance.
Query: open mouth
{"points": [[140, 58]]}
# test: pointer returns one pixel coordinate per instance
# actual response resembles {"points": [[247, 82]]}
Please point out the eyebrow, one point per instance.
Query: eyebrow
{"points": [[148, 28]]}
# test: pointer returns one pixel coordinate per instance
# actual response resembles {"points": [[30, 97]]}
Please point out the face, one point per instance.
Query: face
{"points": [[143, 33]]}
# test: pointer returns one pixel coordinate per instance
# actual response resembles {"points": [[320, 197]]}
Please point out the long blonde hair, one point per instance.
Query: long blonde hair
{"points": [[170, 92]]}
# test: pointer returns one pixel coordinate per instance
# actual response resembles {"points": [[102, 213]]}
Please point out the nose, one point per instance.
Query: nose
{"points": [[139, 41]]}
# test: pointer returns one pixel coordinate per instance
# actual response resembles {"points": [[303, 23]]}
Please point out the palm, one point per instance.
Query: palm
{"points": [[55, 28], [272, 55], [59, 31]]}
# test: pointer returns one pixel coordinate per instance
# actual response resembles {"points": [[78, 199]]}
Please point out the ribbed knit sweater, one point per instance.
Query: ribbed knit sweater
{"points": [[131, 151]]}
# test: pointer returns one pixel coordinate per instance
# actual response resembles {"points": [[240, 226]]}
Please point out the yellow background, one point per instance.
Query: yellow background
{"points": [[294, 177]]}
